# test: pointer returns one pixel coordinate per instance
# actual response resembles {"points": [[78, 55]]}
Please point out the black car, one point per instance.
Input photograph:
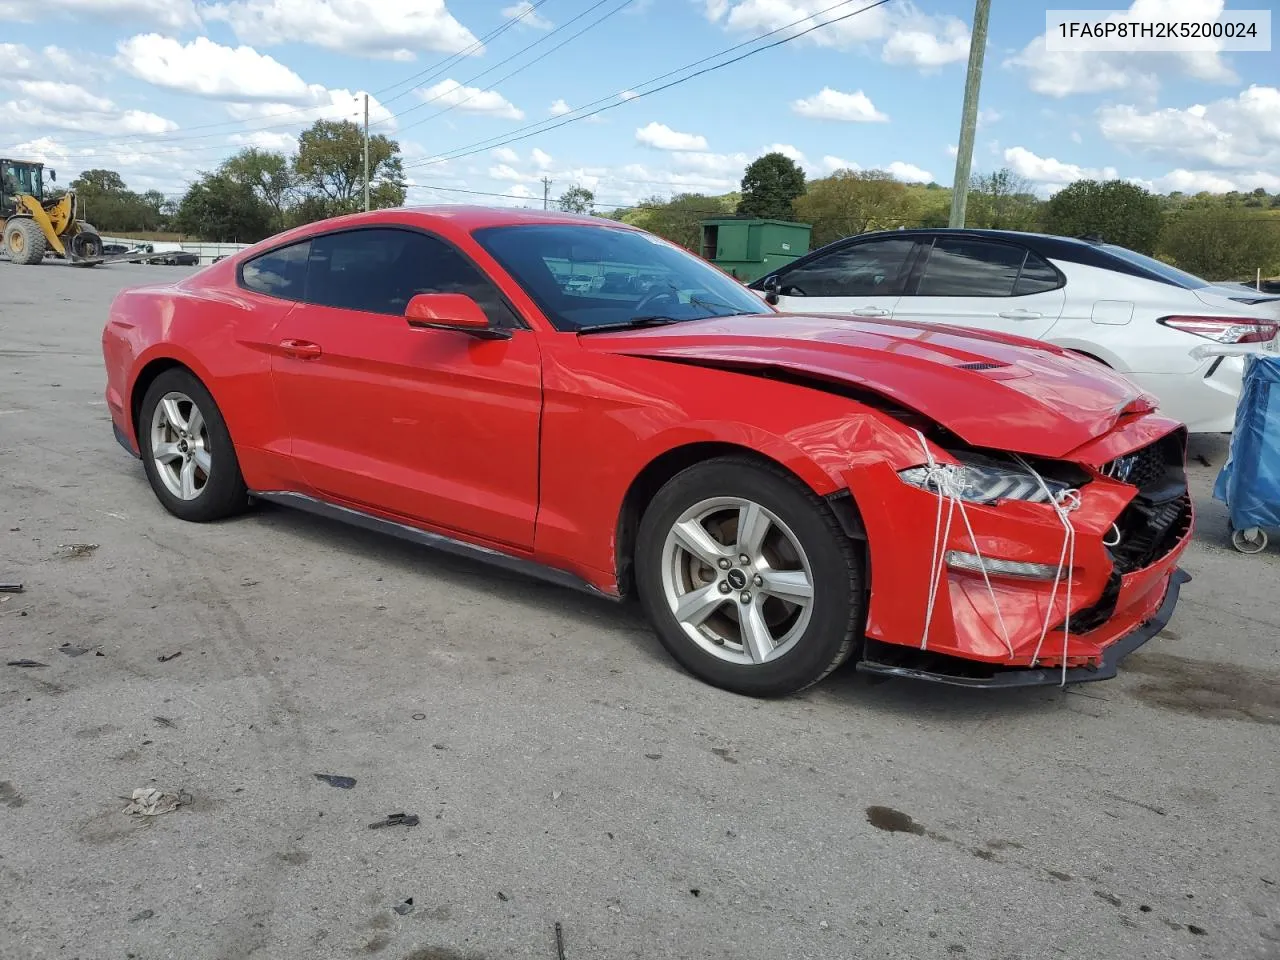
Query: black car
{"points": [[178, 258]]}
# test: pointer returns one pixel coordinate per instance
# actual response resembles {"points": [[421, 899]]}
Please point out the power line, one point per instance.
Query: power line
{"points": [[435, 70], [503, 139]]}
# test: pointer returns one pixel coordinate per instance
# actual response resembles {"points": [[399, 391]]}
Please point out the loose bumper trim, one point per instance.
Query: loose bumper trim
{"points": [[1045, 676], [124, 441]]}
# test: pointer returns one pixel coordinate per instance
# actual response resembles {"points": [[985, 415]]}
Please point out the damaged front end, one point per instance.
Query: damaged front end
{"points": [[1026, 571]]}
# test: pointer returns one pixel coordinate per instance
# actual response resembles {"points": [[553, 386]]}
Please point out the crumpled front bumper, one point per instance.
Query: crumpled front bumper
{"points": [[966, 673]]}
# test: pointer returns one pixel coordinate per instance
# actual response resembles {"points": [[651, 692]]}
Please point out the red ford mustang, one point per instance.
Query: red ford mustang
{"points": [[586, 402]]}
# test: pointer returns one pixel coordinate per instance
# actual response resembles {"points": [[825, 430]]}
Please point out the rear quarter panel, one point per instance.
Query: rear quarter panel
{"points": [[223, 336]]}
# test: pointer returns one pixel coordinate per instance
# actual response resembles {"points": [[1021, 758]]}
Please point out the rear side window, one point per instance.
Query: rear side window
{"points": [[278, 273], [380, 270], [1036, 277], [874, 268], [970, 268]]}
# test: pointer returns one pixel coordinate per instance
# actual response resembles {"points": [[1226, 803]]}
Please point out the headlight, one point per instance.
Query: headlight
{"points": [[982, 481]]}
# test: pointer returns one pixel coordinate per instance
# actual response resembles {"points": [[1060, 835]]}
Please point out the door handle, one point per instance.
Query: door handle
{"points": [[300, 349], [869, 312], [1021, 314]]}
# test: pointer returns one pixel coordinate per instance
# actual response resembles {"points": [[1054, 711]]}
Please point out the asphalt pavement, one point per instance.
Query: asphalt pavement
{"points": [[563, 769]]}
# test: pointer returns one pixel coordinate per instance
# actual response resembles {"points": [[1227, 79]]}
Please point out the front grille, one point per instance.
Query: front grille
{"points": [[1149, 530], [1092, 617], [1153, 466], [980, 365]]}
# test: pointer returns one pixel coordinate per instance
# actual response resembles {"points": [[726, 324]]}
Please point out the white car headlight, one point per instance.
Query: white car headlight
{"points": [[985, 482]]}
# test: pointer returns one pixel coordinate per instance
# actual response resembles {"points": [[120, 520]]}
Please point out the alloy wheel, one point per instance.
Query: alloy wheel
{"points": [[737, 580], [180, 446]]}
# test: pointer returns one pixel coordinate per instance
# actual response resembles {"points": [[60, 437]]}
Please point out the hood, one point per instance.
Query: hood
{"points": [[992, 391]]}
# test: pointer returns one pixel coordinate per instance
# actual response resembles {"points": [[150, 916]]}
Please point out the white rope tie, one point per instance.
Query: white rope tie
{"points": [[947, 480]]}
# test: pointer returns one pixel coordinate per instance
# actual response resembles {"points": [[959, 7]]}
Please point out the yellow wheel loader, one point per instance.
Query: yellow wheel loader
{"points": [[34, 227]]}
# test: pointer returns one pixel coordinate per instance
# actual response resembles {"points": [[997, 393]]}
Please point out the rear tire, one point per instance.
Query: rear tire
{"points": [[764, 613], [24, 241], [187, 450]]}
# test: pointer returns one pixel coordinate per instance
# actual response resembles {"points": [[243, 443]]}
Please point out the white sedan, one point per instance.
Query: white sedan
{"points": [[1141, 317]]}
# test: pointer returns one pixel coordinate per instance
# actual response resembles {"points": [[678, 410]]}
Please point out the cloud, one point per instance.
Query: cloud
{"points": [[325, 104], [628, 95], [1049, 171], [787, 150], [989, 116], [661, 137], [505, 154], [266, 140], [909, 172], [1059, 73], [828, 104], [1196, 181], [372, 28], [541, 158], [905, 35], [935, 42], [831, 164], [208, 69], [1242, 131], [54, 105], [525, 11], [559, 109], [953, 150], [141, 169], [451, 93], [170, 14]]}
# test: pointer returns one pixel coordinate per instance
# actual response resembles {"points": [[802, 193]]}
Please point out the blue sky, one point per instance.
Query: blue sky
{"points": [[160, 89]]}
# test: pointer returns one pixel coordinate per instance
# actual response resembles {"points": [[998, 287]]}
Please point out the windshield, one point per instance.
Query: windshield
{"points": [[1179, 278], [587, 277], [21, 178]]}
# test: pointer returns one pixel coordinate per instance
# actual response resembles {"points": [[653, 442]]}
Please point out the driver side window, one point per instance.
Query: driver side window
{"points": [[380, 270], [873, 268]]}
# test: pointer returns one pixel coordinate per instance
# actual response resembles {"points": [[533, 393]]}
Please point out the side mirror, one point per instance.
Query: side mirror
{"points": [[451, 311], [770, 286], [53, 176]]}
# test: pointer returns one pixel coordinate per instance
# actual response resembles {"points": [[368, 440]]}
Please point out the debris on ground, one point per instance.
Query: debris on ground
{"points": [[10, 586], [71, 651], [397, 820], [559, 941], [1203, 460], [171, 656], [503, 897], [164, 721], [74, 550], [336, 780], [144, 915], [556, 794], [404, 908], [25, 663], [150, 802]]}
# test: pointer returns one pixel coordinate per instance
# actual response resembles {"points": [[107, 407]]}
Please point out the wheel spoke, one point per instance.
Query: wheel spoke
{"points": [[196, 422], [203, 460], [166, 452], [753, 527], [697, 605], [757, 641], [790, 585], [188, 478], [172, 414], [693, 536]]}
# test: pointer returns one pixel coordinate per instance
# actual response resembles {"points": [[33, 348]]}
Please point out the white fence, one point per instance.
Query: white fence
{"points": [[205, 251]]}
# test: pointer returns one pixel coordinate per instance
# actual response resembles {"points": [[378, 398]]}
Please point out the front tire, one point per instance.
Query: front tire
{"points": [[748, 578], [187, 450], [24, 241]]}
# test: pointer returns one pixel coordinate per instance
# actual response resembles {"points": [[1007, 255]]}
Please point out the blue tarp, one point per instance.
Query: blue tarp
{"points": [[1249, 483]]}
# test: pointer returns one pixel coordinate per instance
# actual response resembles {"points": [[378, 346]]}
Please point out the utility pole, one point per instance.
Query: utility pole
{"points": [[546, 193], [969, 116], [366, 153]]}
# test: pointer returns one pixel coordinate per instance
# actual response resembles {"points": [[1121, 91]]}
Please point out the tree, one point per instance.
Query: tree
{"points": [[577, 200], [1223, 243], [1002, 200], [678, 219], [769, 186], [98, 181], [849, 202], [1119, 212], [219, 208], [330, 167], [270, 176]]}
